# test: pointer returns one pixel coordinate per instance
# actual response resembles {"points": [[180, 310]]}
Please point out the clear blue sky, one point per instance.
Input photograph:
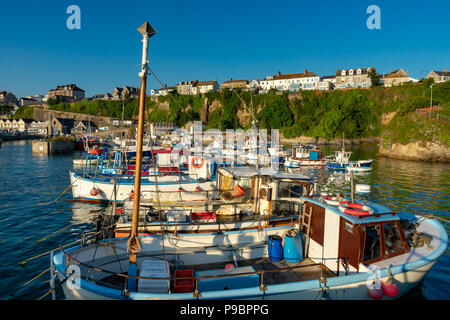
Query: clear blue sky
{"points": [[211, 39]]}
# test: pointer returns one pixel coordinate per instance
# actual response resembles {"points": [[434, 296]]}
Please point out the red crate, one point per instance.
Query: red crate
{"points": [[203, 215], [184, 285]]}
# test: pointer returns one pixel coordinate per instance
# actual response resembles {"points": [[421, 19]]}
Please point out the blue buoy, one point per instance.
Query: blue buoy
{"points": [[275, 248], [293, 247]]}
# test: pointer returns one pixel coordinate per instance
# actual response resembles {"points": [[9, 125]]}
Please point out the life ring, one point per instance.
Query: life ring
{"points": [[197, 165], [355, 209], [332, 200]]}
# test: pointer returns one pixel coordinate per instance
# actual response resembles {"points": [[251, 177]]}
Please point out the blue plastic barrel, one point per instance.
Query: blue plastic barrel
{"points": [[293, 247], [275, 248]]}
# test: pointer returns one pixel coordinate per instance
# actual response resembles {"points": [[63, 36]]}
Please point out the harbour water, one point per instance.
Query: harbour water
{"points": [[29, 213]]}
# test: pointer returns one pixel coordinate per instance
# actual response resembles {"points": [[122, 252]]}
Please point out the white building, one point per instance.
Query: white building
{"points": [[326, 83], [291, 82], [154, 92]]}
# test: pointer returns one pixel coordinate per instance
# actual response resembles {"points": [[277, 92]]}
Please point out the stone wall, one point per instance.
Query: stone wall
{"points": [[419, 150], [45, 148]]}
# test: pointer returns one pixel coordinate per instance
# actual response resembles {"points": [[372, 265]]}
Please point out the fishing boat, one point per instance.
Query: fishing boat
{"points": [[341, 161], [358, 168], [197, 183], [348, 253], [248, 198], [354, 250], [305, 155]]}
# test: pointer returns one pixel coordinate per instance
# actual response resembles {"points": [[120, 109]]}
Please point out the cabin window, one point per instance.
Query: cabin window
{"points": [[392, 239], [372, 244], [291, 189]]}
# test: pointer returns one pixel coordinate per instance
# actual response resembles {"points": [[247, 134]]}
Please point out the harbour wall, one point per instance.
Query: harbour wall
{"points": [[45, 148]]}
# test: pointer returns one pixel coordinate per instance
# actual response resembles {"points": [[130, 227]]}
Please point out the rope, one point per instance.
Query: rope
{"points": [[28, 282], [56, 287]]}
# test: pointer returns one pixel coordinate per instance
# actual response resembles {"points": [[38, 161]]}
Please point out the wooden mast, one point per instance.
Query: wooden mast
{"points": [[133, 242]]}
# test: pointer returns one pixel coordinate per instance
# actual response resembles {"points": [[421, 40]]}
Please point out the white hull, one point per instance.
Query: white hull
{"points": [[354, 291], [81, 188]]}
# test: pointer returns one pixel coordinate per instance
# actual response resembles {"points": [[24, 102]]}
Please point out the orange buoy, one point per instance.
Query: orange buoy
{"points": [[198, 189], [94, 192], [131, 194]]}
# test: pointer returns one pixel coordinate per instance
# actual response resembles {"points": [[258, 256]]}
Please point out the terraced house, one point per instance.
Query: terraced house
{"points": [[230, 84], [353, 78], [396, 77], [67, 93], [186, 87], [291, 82], [205, 86], [439, 76]]}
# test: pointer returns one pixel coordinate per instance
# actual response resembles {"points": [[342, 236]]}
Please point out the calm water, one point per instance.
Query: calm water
{"points": [[31, 183]]}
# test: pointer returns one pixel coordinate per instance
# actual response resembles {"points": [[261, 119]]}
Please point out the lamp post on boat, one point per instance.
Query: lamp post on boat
{"points": [[134, 247]]}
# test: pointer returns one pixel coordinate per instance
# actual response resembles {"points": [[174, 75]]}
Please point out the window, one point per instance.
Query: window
{"points": [[358, 71], [350, 72], [372, 244], [343, 73], [392, 239], [291, 189]]}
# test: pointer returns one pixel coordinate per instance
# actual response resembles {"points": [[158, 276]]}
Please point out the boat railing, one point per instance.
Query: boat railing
{"points": [[196, 292]]}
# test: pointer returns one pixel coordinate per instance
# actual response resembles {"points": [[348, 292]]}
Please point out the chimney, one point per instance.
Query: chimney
{"points": [[231, 79], [306, 71], [279, 73], [445, 70], [407, 73]]}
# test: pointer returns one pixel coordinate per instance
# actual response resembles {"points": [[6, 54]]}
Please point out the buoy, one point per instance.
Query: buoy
{"points": [[229, 266], [180, 189], [131, 194], [119, 210], [94, 191], [362, 188], [198, 189], [389, 287], [375, 293]]}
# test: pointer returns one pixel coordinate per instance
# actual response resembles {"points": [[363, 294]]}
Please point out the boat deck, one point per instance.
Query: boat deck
{"points": [[307, 270]]}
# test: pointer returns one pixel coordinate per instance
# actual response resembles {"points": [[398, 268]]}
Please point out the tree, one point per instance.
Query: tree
{"points": [[374, 77], [52, 102]]}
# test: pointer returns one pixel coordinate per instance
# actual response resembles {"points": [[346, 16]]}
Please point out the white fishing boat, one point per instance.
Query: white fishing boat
{"points": [[249, 198], [358, 168], [346, 257], [197, 183]]}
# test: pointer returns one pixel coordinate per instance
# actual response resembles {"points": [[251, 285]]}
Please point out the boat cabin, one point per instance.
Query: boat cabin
{"points": [[269, 191], [301, 152], [348, 243]]}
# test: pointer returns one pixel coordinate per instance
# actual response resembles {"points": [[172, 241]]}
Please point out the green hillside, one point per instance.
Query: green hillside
{"points": [[356, 113]]}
